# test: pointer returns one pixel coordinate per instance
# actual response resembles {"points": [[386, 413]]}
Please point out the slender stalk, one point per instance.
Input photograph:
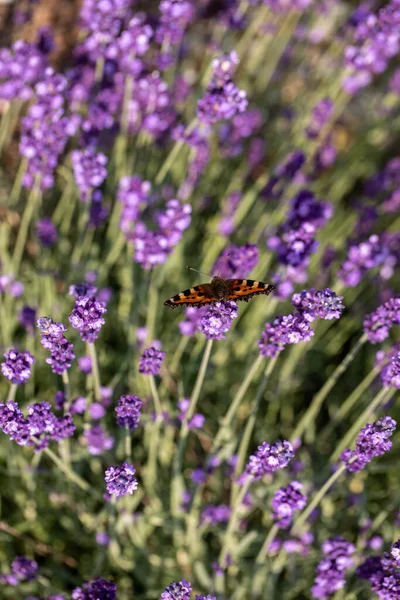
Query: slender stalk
{"points": [[382, 397], [302, 518], [128, 443], [95, 372], [67, 470], [348, 404], [267, 542], [156, 397], [317, 401], [16, 189], [261, 572], [228, 542], [173, 154], [67, 391], [24, 226], [177, 484], [251, 421], [11, 392]]}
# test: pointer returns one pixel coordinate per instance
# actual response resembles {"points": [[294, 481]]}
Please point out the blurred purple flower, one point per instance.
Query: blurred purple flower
{"points": [[97, 411], [378, 324], [150, 361], [176, 15], [102, 538], [46, 232], [82, 289], [22, 569], [97, 441], [331, 569], [99, 589], [237, 261], [17, 366], [285, 502], [133, 193], [213, 515], [383, 574], [268, 459], [21, 67], [128, 412], [178, 590], [27, 318], [89, 171], [85, 364], [320, 115], [284, 330], [87, 318]]}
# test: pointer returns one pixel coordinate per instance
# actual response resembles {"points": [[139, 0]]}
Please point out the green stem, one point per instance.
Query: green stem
{"points": [[302, 518], [383, 396], [251, 421], [173, 155], [228, 542], [261, 556], [261, 572], [348, 404], [67, 470], [156, 397], [67, 391], [24, 226], [128, 443], [11, 392], [317, 401], [16, 189], [95, 372]]}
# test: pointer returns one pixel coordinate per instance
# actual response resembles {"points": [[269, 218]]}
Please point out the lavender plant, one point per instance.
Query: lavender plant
{"points": [[223, 450]]}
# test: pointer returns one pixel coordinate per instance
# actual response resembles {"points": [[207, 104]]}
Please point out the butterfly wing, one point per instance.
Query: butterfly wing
{"points": [[199, 295], [243, 289]]}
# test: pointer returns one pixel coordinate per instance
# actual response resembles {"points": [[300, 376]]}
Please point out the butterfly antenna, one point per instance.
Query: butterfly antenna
{"points": [[197, 271], [226, 260]]}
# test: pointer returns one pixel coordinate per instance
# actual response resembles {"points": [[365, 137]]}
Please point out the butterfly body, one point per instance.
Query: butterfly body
{"points": [[219, 289]]}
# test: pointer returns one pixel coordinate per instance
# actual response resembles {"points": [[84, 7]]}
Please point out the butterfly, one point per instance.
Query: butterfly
{"points": [[219, 289]]}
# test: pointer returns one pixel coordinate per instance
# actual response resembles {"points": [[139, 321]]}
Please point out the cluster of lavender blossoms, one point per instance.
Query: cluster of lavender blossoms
{"points": [[99, 589], [295, 328], [87, 317], [22, 569], [128, 412], [121, 480], [150, 361], [285, 502], [390, 374], [52, 339], [38, 428], [17, 366], [269, 458], [383, 573], [332, 568], [181, 590], [373, 440], [222, 100], [378, 324]]}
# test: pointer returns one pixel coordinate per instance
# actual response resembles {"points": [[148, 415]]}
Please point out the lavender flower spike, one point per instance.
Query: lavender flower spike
{"points": [[268, 459], [373, 440], [99, 589], [128, 412], [178, 590], [121, 479], [150, 361], [331, 569], [17, 367], [87, 317]]}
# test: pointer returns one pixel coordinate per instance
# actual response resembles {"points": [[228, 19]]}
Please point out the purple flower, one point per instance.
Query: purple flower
{"points": [[21, 67], [89, 171], [121, 479], [46, 232], [390, 375], [82, 289], [222, 100], [176, 15], [40, 424], [97, 440], [85, 364], [150, 361], [17, 367], [217, 319], [268, 459], [102, 23], [46, 130], [324, 304], [52, 338], [284, 330], [362, 257], [373, 440], [87, 318], [378, 324], [202, 597], [128, 412], [154, 247], [134, 41], [99, 589], [331, 569], [383, 574], [133, 193], [237, 261], [22, 569], [285, 502], [102, 538], [321, 114], [178, 590], [213, 515], [27, 317]]}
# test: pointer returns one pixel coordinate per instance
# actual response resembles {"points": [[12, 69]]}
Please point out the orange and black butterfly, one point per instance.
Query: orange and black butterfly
{"points": [[219, 289]]}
